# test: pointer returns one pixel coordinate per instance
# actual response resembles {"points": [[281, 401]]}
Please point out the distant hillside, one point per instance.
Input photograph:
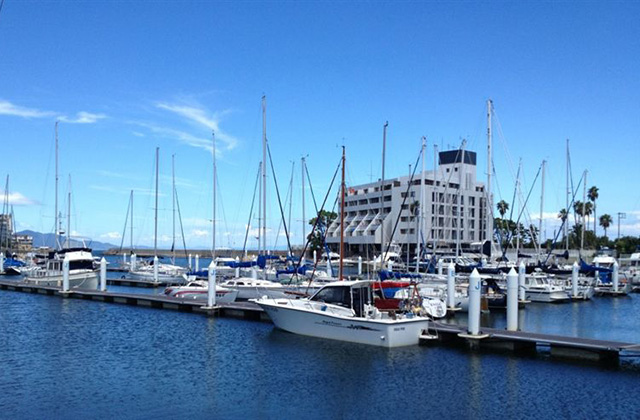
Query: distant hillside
{"points": [[49, 240]]}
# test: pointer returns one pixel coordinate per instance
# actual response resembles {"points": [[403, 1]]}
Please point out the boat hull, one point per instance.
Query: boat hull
{"points": [[82, 280], [383, 333]]}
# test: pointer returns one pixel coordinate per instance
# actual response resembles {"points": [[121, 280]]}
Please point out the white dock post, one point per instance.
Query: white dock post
{"points": [[124, 258], [615, 276], [103, 275], [1, 262], [197, 262], [132, 266], [65, 274], [155, 269], [521, 273], [451, 286], [190, 262], [237, 267], [474, 303], [574, 279], [390, 265], [211, 295], [483, 262], [512, 300], [315, 257], [254, 273], [440, 267], [359, 266], [329, 269]]}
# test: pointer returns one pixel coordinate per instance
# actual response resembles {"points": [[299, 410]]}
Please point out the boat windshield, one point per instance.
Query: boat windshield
{"points": [[337, 295]]}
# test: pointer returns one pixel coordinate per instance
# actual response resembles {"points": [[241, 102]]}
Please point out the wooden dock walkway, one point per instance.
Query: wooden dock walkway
{"points": [[522, 342], [244, 310]]}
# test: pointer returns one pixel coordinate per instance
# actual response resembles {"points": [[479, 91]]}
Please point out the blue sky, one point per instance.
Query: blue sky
{"points": [[126, 77]]}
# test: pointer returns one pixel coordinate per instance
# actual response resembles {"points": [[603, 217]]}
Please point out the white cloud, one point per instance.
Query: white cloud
{"points": [[7, 108], [83, 117], [181, 136], [17, 199], [199, 116], [111, 235], [199, 233]]}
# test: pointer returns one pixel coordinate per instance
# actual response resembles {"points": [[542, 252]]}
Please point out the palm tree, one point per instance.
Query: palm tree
{"points": [[503, 206], [605, 222], [593, 196], [562, 214], [588, 210], [578, 208]]}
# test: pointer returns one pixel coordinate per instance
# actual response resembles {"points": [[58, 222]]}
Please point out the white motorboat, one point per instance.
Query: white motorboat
{"points": [[250, 288], [199, 290], [630, 268], [538, 288], [82, 273], [167, 273], [345, 311]]}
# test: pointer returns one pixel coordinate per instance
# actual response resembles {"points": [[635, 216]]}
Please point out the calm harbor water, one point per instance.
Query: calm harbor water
{"points": [[72, 358]]}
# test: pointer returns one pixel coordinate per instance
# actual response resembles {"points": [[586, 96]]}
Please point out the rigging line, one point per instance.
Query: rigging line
{"points": [[313, 196], [404, 200], [184, 244], [561, 228], [253, 200], [275, 182], [126, 220], [509, 235], [219, 194], [315, 225], [287, 202]]}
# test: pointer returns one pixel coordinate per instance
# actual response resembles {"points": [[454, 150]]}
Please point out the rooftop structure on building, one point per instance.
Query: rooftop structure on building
{"points": [[454, 209]]}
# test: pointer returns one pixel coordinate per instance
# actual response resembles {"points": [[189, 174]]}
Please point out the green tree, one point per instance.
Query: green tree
{"points": [[593, 195], [503, 207], [606, 221], [316, 237]]}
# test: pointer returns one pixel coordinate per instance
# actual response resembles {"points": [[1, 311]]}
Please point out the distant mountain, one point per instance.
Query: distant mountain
{"points": [[49, 240]]}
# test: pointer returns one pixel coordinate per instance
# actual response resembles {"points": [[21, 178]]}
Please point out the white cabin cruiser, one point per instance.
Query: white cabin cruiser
{"points": [[538, 288], [345, 311], [199, 290], [82, 272]]}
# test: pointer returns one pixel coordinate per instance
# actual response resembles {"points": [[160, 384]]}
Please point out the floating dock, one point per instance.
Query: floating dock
{"points": [[527, 343]]}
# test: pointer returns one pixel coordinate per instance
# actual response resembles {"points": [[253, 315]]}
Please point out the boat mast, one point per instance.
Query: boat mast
{"points": [[566, 221], [584, 202], [304, 236], [544, 163], [173, 181], [421, 224], [131, 234], [384, 147], [489, 223], [437, 212], [69, 214], [264, 175], [460, 180], [155, 231], [342, 192], [213, 221], [57, 245]]}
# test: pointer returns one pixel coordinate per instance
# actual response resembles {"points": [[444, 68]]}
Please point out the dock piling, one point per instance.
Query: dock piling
{"points": [[1, 262], [474, 303], [359, 266], [133, 262], [211, 295], [65, 274], [615, 276], [155, 269], [197, 262], [440, 267], [190, 262], [103, 275], [512, 300], [574, 280], [237, 267], [451, 286], [521, 273]]}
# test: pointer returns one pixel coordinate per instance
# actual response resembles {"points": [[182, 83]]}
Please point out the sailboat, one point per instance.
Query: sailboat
{"points": [[348, 310], [82, 270], [164, 272]]}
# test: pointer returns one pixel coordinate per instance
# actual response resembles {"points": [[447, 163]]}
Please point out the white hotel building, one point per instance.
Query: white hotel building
{"points": [[454, 209]]}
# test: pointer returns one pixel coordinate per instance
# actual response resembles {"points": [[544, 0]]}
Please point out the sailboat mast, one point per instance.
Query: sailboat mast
{"points": [[584, 208], [384, 148], [304, 223], [173, 183], [342, 192], [437, 212], [215, 180], [131, 227], [56, 192], [489, 198], [264, 174], [460, 180], [421, 225], [544, 163], [69, 214], [566, 221], [155, 230]]}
